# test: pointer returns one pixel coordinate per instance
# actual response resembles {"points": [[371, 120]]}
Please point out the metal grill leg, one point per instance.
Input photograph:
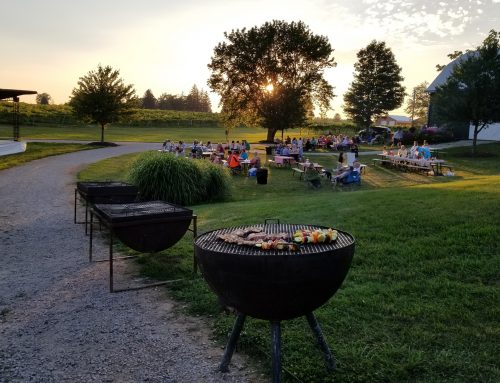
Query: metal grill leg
{"points": [[276, 356], [329, 358], [91, 235], [195, 234], [231, 344], [111, 287], [74, 217]]}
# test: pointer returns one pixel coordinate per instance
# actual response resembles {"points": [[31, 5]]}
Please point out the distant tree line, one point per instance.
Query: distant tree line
{"points": [[196, 101]]}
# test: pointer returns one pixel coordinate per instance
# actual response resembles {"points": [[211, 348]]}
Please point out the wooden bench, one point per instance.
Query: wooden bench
{"points": [[418, 168], [298, 171], [380, 161]]}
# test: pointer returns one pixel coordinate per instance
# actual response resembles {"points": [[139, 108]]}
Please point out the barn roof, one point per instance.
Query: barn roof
{"points": [[446, 72]]}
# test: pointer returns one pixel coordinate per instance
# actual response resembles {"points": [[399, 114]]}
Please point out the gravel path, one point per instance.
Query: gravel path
{"points": [[58, 321]]}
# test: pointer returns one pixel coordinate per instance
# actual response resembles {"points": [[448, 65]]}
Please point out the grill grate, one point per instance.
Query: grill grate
{"points": [[141, 211], [210, 242]]}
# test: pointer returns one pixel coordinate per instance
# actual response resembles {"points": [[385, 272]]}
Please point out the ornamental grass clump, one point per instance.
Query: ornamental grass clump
{"points": [[184, 181]]}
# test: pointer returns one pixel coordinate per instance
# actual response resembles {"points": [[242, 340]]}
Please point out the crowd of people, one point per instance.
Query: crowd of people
{"points": [[237, 153], [329, 141], [416, 151]]}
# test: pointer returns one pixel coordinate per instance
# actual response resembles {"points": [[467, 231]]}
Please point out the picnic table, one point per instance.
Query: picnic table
{"points": [[283, 160], [310, 165], [245, 164], [418, 164]]}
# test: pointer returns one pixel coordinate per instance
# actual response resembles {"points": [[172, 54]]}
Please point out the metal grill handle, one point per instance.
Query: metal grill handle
{"points": [[271, 220]]}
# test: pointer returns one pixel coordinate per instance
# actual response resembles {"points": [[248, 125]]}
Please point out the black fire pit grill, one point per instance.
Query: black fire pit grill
{"points": [[274, 285], [92, 192], [146, 227]]}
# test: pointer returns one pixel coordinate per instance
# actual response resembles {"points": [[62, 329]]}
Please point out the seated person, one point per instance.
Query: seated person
{"points": [[215, 159], [353, 173], [244, 155], [285, 151], [403, 152], [424, 152], [229, 157], [234, 161], [255, 161], [220, 148]]}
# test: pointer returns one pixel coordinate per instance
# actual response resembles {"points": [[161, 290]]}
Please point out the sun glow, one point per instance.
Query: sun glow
{"points": [[269, 88]]}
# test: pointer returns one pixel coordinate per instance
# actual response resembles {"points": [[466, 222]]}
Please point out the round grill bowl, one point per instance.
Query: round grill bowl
{"points": [[274, 284], [150, 238]]}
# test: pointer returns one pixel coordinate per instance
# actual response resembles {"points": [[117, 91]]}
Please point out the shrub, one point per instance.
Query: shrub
{"points": [[432, 135], [184, 181]]}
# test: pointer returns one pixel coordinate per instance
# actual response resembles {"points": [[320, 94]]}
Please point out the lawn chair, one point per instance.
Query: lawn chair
{"points": [[353, 179]]}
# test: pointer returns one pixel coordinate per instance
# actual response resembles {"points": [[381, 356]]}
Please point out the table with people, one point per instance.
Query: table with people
{"points": [[417, 158]]}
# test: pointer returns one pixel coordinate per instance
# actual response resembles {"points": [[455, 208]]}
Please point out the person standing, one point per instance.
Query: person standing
{"points": [[398, 136]]}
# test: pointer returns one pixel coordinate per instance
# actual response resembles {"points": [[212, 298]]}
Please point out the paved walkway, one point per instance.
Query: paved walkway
{"points": [[58, 321]]}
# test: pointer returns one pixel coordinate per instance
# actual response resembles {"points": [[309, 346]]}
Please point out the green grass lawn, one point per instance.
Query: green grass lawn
{"points": [[421, 302], [114, 133], [37, 150]]}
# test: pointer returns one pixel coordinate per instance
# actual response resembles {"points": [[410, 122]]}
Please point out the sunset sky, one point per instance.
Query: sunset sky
{"points": [[165, 45]]}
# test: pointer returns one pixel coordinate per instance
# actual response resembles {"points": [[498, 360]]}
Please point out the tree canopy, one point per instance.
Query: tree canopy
{"points": [[149, 100], [417, 104], [472, 91], [271, 75], [195, 101], [376, 88], [43, 98], [102, 97]]}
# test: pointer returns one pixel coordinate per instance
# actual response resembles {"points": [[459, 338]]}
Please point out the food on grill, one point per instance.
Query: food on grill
{"points": [[255, 236], [278, 244], [315, 236], [247, 231], [258, 238]]}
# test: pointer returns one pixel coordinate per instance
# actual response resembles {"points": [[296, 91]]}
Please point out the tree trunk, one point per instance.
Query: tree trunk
{"points": [[102, 132], [271, 132], [474, 140]]}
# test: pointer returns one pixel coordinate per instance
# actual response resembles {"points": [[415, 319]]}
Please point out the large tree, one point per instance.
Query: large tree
{"points": [[270, 75], [376, 88], [43, 98], [149, 100], [417, 104], [102, 97], [472, 91]]}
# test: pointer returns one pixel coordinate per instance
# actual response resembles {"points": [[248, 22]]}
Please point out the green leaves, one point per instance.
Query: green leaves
{"points": [[102, 97], [376, 88], [286, 55]]}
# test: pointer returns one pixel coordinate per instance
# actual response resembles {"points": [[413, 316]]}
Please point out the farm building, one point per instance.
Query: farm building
{"points": [[492, 132], [393, 120]]}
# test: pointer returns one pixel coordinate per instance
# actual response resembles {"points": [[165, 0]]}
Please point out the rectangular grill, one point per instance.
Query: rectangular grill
{"points": [[147, 227], [106, 188], [140, 211]]}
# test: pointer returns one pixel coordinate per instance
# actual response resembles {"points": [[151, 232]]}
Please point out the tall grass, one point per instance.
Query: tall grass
{"points": [[178, 180]]}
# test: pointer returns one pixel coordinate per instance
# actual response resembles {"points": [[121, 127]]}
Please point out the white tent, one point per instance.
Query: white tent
{"points": [[12, 147]]}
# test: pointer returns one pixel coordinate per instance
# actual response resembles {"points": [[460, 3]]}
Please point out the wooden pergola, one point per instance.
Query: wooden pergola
{"points": [[14, 95]]}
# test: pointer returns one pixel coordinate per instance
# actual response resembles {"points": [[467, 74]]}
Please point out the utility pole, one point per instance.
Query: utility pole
{"points": [[413, 107]]}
